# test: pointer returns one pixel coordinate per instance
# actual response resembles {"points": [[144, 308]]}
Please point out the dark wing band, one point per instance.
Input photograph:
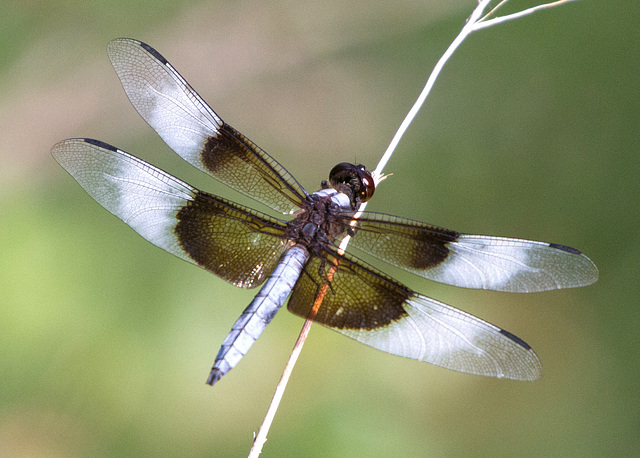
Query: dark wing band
{"points": [[193, 130], [370, 307], [237, 244], [472, 261]]}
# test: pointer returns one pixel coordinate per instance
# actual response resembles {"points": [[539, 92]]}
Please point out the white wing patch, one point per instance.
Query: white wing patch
{"points": [[436, 333], [164, 99], [512, 265], [143, 196]]}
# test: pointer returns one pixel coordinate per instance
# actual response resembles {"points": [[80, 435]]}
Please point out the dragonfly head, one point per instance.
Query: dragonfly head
{"points": [[356, 179]]}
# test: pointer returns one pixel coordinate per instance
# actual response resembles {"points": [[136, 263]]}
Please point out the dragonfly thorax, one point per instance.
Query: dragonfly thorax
{"points": [[319, 223]]}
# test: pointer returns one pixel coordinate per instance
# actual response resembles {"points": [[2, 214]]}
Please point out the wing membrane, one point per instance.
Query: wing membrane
{"points": [[237, 244], [368, 306], [472, 261], [193, 130]]}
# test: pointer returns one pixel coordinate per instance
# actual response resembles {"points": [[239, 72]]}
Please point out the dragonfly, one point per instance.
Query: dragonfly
{"points": [[296, 255]]}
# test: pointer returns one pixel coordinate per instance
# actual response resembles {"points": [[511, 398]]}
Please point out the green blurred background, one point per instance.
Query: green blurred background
{"points": [[532, 131]]}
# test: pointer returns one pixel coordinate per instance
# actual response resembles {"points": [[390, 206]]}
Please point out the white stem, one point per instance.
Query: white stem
{"points": [[466, 30], [500, 19]]}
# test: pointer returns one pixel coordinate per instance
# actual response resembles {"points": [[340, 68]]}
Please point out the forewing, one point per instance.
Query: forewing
{"points": [[472, 261], [236, 243], [368, 306], [193, 130]]}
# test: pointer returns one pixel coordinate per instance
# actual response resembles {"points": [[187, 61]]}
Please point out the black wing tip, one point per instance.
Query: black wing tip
{"points": [[99, 143], [153, 52], [516, 339], [590, 274], [59, 149], [533, 369], [566, 248], [142, 45]]}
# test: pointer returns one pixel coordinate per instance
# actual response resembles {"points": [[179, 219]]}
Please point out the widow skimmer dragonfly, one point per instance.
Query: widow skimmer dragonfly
{"points": [[246, 247]]}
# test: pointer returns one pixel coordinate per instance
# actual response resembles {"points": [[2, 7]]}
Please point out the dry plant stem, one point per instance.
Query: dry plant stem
{"points": [[261, 438], [484, 22], [475, 22], [466, 30]]}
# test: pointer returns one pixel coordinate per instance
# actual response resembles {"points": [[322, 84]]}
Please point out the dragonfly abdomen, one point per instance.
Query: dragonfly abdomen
{"points": [[260, 312]]}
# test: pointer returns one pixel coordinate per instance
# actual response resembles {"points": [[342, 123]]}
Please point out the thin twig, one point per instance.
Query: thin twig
{"points": [[466, 30], [261, 438], [493, 10], [475, 22], [500, 19]]}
